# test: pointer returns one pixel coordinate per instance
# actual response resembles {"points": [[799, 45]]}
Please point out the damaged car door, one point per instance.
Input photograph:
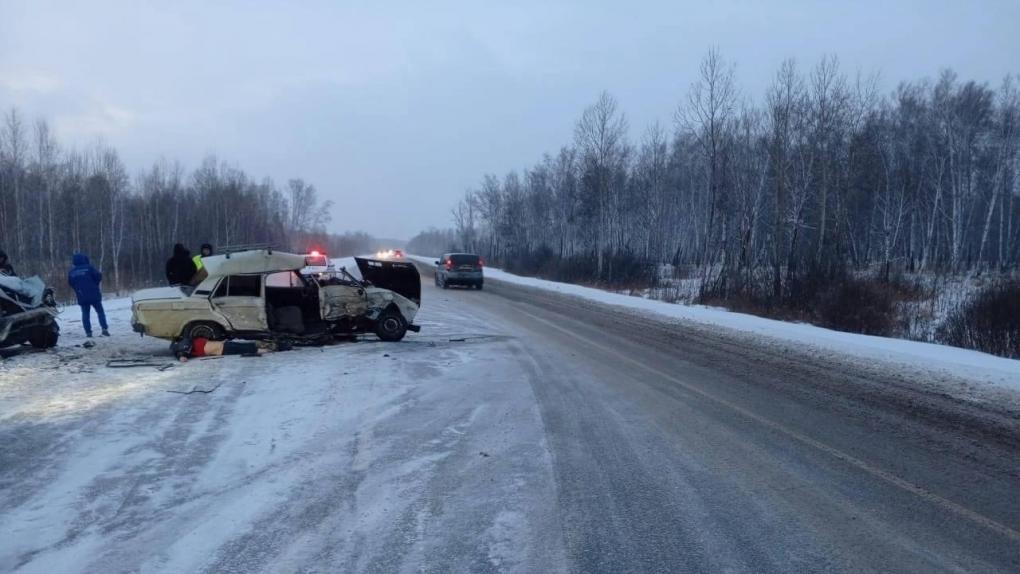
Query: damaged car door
{"points": [[238, 298]]}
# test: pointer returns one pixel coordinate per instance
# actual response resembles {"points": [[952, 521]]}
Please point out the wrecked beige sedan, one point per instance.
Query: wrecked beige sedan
{"points": [[262, 294]]}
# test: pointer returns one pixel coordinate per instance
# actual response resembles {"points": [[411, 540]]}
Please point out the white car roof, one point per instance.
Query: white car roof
{"points": [[253, 261]]}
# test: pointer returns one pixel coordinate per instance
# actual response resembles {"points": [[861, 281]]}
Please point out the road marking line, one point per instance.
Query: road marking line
{"points": [[832, 451]]}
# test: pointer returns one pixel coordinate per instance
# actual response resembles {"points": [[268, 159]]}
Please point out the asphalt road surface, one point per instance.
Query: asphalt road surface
{"points": [[520, 431], [682, 449]]}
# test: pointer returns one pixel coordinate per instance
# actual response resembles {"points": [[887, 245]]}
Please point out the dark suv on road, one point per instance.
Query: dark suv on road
{"points": [[459, 269]]}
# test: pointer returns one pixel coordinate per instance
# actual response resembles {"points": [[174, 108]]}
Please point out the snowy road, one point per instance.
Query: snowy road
{"points": [[521, 430]]}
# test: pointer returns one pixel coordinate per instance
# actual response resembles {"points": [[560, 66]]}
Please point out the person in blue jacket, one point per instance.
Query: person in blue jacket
{"points": [[85, 280]]}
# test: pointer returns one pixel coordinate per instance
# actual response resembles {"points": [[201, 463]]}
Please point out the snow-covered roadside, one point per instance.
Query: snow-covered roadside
{"points": [[972, 366]]}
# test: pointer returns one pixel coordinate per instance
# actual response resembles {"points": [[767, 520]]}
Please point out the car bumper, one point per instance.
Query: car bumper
{"points": [[464, 277]]}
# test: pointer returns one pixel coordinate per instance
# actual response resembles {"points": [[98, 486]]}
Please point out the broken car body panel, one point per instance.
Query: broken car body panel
{"points": [[343, 300]]}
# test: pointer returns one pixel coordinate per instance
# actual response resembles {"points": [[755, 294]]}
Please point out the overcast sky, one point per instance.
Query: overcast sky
{"points": [[393, 109]]}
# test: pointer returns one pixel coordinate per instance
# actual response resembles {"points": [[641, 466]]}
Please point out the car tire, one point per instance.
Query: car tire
{"points": [[204, 330], [44, 337], [391, 326], [478, 286], [445, 285]]}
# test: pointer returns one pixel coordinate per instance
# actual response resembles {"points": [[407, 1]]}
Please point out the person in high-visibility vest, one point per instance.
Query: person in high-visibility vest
{"points": [[200, 272], [206, 251]]}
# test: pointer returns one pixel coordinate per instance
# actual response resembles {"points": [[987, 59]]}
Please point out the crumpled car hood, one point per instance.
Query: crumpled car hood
{"points": [[31, 287]]}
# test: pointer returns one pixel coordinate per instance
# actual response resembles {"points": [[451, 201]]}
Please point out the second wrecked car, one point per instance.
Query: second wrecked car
{"points": [[28, 313], [261, 293]]}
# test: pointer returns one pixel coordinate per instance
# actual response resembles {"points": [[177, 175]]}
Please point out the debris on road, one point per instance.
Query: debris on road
{"points": [[137, 362], [195, 390]]}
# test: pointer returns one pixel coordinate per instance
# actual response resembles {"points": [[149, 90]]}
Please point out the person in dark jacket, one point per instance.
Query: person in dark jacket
{"points": [[180, 268], [5, 265], [85, 280]]}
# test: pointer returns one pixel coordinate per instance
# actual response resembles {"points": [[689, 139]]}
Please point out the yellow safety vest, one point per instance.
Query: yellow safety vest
{"points": [[198, 262]]}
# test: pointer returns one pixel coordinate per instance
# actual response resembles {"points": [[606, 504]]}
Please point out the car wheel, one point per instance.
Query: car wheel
{"points": [[210, 331], [391, 326], [445, 285], [44, 337]]}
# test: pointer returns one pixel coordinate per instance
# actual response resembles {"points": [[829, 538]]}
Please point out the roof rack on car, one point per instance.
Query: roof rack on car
{"points": [[228, 249]]}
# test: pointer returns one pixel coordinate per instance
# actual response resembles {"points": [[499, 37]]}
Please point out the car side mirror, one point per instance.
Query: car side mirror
{"points": [[437, 264]]}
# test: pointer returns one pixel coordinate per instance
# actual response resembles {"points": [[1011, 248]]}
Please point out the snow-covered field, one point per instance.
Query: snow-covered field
{"points": [[972, 366]]}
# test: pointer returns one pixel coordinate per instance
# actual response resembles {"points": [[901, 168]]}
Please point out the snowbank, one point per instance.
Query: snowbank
{"points": [[961, 363]]}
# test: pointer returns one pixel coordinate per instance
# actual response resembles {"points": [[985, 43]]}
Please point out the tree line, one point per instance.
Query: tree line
{"points": [[433, 241], [822, 176], [56, 201]]}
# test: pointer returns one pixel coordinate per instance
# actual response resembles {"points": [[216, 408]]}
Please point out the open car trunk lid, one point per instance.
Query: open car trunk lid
{"points": [[397, 276]]}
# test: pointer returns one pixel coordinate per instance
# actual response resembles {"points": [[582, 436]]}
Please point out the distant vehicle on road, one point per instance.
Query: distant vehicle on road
{"points": [[28, 313], [316, 263], [262, 294], [390, 254], [460, 269]]}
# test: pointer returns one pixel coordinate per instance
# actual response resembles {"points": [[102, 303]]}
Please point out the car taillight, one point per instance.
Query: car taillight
{"points": [[481, 262]]}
